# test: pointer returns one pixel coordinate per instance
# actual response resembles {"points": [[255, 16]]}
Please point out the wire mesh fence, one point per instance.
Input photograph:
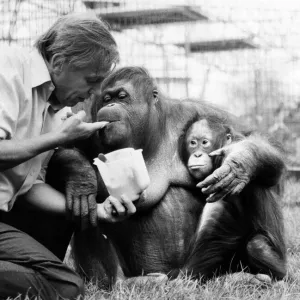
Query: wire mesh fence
{"points": [[243, 57]]}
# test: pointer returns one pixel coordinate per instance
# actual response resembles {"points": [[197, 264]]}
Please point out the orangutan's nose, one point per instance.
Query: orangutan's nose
{"points": [[110, 104], [197, 154]]}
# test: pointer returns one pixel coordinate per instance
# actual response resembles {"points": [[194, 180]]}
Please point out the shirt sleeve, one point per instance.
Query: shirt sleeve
{"points": [[11, 93]]}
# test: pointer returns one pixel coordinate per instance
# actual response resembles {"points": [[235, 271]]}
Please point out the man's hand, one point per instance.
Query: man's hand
{"points": [[74, 128], [234, 174], [114, 210]]}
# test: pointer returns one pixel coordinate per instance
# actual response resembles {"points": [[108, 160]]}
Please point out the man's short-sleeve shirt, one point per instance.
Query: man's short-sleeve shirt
{"points": [[25, 112]]}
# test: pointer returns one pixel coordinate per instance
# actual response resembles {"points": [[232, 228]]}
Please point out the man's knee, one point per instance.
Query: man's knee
{"points": [[16, 279], [73, 289]]}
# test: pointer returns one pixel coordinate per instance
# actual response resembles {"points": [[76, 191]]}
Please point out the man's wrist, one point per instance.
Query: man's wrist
{"points": [[57, 138]]}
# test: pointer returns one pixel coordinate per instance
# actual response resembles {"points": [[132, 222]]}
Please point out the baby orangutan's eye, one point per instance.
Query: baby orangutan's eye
{"points": [[193, 143], [205, 142]]}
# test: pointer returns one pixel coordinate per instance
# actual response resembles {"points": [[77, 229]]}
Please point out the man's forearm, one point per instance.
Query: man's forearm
{"points": [[43, 197], [14, 152]]}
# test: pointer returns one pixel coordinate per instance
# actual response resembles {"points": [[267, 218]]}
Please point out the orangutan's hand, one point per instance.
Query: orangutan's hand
{"points": [[114, 210], [81, 193], [81, 209], [234, 174]]}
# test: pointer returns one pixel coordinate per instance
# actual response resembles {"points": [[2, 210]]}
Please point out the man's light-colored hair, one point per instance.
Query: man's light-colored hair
{"points": [[82, 40]]}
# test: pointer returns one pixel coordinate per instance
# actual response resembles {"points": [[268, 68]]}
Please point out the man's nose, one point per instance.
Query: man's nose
{"points": [[95, 91]]}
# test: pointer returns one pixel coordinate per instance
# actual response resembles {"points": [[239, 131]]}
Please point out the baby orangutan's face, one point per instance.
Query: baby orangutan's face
{"points": [[199, 143]]}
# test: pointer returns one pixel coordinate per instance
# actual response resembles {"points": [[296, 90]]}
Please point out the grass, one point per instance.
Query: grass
{"points": [[238, 286]]}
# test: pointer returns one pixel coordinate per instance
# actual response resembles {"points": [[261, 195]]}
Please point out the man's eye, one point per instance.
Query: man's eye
{"points": [[106, 98], [94, 80], [122, 95]]}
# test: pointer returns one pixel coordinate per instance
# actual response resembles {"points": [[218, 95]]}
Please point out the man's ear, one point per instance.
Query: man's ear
{"points": [[56, 62]]}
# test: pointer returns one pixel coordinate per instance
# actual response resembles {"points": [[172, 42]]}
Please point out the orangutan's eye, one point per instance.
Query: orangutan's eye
{"points": [[106, 98], [193, 143], [122, 95], [205, 142]]}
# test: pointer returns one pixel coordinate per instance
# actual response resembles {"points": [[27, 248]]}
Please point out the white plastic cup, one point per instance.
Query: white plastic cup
{"points": [[124, 172]]}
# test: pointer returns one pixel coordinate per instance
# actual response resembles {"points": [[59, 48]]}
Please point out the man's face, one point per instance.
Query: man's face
{"points": [[73, 85]]}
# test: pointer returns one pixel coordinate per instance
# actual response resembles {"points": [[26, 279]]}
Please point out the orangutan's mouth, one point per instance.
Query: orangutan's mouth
{"points": [[106, 126], [194, 167]]}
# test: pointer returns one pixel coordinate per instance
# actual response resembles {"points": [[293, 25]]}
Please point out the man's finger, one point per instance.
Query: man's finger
{"points": [[216, 176], [68, 115], [223, 183], [97, 125], [80, 115]]}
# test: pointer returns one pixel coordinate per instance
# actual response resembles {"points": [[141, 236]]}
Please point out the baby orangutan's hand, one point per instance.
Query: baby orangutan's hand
{"points": [[114, 210]]}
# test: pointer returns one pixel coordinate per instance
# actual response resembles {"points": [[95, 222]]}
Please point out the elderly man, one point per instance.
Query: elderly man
{"points": [[37, 88]]}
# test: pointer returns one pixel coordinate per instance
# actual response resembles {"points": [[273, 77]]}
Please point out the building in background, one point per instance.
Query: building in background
{"points": [[241, 55]]}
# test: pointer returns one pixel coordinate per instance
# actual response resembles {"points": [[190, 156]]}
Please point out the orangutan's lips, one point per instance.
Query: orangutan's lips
{"points": [[195, 167], [106, 125]]}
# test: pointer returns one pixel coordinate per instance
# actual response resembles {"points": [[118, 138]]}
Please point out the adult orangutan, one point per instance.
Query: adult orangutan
{"points": [[160, 235]]}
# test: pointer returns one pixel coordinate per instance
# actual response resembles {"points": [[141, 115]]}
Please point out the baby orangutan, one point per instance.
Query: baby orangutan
{"points": [[240, 232], [203, 137]]}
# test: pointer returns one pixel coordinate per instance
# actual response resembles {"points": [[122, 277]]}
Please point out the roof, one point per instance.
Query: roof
{"points": [[218, 45], [123, 19]]}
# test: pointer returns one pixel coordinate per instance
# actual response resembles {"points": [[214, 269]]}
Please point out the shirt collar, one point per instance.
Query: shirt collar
{"points": [[39, 70], [40, 76]]}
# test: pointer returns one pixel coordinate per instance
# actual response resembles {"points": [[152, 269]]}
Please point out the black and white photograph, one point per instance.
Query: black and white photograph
{"points": [[149, 150]]}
